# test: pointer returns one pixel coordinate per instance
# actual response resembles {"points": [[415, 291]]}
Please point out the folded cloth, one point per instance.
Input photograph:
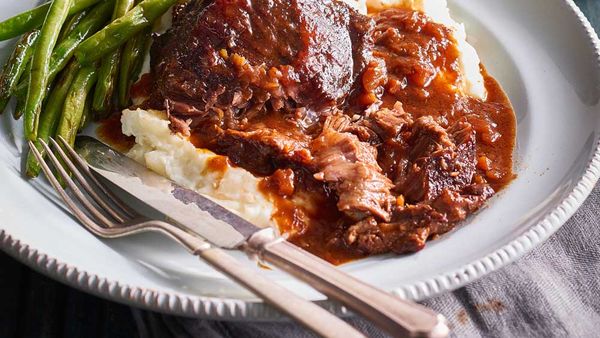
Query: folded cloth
{"points": [[552, 292]]}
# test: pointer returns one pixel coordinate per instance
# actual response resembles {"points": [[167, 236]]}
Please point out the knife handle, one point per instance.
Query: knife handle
{"points": [[400, 318], [303, 311]]}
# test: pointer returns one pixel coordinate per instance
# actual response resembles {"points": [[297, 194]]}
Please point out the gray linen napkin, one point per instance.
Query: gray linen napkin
{"points": [[552, 292]]}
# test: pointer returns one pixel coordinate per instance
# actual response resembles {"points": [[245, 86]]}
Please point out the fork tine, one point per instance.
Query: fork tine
{"points": [[84, 168], [80, 196], [116, 214], [79, 214]]}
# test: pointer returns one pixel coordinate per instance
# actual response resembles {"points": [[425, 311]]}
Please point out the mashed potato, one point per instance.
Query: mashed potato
{"points": [[175, 157], [360, 5]]}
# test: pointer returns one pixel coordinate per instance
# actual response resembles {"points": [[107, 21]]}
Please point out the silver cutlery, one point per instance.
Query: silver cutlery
{"points": [[106, 216], [224, 229], [227, 230]]}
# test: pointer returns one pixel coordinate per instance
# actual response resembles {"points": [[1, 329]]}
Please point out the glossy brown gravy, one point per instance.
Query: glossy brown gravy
{"points": [[111, 132], [319, 236]]}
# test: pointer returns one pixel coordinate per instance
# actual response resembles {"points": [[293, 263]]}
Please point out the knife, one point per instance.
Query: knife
{"points": [[202, 216]]}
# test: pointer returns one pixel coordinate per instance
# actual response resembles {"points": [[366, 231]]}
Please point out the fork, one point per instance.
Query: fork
{"points": [[106, 216]]}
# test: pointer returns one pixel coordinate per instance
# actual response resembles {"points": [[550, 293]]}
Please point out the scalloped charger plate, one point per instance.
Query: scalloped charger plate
{"points": [[543, 52]]}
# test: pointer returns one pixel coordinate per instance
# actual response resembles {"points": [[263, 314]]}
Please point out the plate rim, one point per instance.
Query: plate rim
{"points": [[236, 309]]}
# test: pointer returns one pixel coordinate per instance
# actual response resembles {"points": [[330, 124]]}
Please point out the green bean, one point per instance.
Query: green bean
{"points": [[50, 118], [79, 5], [34, 18], [24, 22], [57, 14], [122, 7], [119, 31], [86, 117], [134, 53], [139, 62], [71, 23], [19, 108], [22, 98], [63, 52], [109, 69], [103, 95], [75, 103], [21, 91], [15, 67]]}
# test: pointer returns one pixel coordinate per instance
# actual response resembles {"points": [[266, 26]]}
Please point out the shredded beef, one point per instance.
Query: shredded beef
{"points": [[458, 205], [439, 168], [438, 159], [351, 167], [263, 150], [380, 125], [409, 230]]}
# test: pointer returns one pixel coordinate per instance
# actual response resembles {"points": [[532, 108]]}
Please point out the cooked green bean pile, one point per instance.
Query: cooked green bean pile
{"points": [[74, 60]]}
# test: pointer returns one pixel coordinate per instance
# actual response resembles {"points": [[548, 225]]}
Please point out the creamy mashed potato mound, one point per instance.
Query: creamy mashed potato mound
{"points": [[176, 158]]}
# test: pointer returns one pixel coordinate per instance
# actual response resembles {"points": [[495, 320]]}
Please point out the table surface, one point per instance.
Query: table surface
{"points": [[35, 306]]}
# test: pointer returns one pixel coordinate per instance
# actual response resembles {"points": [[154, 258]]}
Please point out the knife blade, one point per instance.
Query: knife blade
{"points": [[189, 209]]}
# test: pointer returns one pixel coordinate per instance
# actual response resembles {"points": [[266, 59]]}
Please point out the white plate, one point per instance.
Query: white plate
{"points": [[545, 54]]}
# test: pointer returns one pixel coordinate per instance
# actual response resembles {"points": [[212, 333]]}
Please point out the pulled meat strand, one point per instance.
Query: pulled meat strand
{"points": [[350, 167], [438, 159]]}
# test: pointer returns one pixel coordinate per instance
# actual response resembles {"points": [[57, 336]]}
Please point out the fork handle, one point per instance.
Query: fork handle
{"points": [[398, 317], [305, 312]]}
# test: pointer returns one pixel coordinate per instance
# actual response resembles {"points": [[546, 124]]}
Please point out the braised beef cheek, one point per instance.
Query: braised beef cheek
{"points": [[237, 58], [355, 122]]}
